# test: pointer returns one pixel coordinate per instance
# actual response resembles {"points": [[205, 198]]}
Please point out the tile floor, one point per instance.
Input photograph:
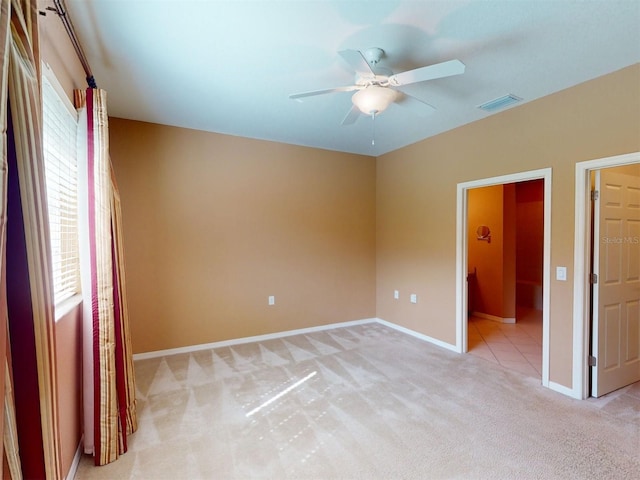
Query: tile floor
{"points": [[515, 346]]}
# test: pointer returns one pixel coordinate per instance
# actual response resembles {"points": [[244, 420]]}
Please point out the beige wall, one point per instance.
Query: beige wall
{"points": [[57, 52], [68, 364], [416, 198], [214, 224]]}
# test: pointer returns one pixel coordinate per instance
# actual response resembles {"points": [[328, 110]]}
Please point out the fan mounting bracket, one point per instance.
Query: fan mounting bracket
{"points": [[373, 55]]}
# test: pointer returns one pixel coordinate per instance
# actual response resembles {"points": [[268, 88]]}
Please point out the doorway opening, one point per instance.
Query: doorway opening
{"points": [[536, 289], [607, 246], [505, 224]]}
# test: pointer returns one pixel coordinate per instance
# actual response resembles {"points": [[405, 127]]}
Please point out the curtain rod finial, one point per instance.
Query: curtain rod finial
{"points": [[91, 82]]}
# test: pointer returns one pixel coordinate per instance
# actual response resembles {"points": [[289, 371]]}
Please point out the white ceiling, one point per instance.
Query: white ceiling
{"points": [[229, 66]]}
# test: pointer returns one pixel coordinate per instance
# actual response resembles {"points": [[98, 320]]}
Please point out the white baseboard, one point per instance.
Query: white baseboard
{"points": [[257, 338], [570, 392], [288, 333], [419, 335], [494, 318], [76, 461]]}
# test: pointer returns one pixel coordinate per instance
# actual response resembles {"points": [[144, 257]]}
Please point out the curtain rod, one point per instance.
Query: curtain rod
{"points": [[60, 10]]}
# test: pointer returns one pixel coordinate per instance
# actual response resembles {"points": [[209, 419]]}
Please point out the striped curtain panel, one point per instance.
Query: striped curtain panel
{"points": [[109, 384], [9, 445], [26, 302]]}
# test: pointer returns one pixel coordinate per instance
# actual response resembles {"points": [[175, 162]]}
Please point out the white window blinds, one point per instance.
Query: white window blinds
{"points": [[59, 135]]}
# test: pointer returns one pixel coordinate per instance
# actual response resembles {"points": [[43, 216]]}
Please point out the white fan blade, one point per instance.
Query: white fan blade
{"points": [[297, 96], [357, 61], [351, 117], [416, 105], [431, 72]]}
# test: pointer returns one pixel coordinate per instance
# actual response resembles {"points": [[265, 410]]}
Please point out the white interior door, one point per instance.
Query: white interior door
{"points": [[616, 295]]}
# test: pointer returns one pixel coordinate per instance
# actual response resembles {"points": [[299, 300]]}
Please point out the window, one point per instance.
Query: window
{"points": [[59, 135]]}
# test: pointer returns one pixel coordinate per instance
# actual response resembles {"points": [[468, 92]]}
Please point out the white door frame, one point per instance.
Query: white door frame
{"points": [[462, 260], [582, 260]]}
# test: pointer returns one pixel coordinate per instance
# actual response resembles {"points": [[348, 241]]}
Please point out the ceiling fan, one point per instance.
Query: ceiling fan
{"points": [[375, 86]]}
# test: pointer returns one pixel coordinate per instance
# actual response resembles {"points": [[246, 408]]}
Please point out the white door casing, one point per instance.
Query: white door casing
{"points": [[462, 260], [616, 293], [582, 260]]}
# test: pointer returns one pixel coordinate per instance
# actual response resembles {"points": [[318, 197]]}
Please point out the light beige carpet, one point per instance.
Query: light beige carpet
{"points": [[365, 402]]}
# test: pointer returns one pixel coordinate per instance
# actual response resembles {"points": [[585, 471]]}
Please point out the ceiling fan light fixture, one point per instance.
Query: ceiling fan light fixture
{"points": [[373, 99]]}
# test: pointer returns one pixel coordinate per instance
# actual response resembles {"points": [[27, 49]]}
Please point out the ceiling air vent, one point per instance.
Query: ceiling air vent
{"points": [[499, 103]]}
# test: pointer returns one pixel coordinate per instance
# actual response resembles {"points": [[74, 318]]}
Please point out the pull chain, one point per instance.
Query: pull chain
{"points": [[373, 127]]}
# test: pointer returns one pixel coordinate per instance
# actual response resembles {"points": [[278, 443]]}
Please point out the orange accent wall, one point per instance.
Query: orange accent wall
{"points": [[485, 257], [416, 198], [494, 262], [214, 225], [509, 252], [529, 243]]}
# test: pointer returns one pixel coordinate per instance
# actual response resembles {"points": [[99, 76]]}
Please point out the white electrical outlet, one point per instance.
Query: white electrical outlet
{"points": [[272, 300], [414, 298], [396, 294]]}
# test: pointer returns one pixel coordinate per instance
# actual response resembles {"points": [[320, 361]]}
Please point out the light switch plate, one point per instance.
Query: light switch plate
{"points": [[396, 294], [414, 298], [561, 274]]}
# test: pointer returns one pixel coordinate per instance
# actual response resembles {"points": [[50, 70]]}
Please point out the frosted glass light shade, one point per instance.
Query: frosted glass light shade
{"points": [[373, 99]]}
